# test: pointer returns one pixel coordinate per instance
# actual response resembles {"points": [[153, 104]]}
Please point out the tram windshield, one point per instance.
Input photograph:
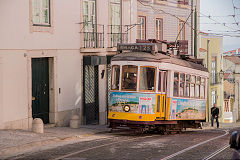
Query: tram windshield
{"points": [[147, 79], [129, 77]]}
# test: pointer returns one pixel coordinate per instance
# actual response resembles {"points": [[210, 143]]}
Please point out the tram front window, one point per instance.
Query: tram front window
{"points": [[129, 77], [147, 80], [115, 77]]}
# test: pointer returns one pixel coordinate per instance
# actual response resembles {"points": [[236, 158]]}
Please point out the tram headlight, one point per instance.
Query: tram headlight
{"points": [[126, 108]]}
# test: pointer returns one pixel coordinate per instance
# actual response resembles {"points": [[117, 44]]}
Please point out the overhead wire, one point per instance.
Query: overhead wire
{"points": [[224, 24], [203, 15], [234, 17]]}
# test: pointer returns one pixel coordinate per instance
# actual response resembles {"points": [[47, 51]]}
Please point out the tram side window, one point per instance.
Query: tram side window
{"points": [[115, 77], [162, 83], [192, 86], [182, 84], [187, 88], [147, 79], [176, 86], [197, 87], [129, 77], [202, 88]]}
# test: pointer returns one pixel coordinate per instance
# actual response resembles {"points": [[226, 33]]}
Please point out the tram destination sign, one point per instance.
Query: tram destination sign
{"points": [[138, 47]]}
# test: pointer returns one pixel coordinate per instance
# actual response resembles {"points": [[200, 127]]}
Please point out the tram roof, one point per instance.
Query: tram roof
{"points": [[158, 57]]}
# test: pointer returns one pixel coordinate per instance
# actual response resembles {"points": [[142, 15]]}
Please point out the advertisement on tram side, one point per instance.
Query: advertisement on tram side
{"points": [[139, 103], [184, 109]]}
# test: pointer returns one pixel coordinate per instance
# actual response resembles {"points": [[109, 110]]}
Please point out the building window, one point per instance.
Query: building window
{"points": [[41, 12], [141, 27], [89, 15], [176, 84], [213, 70], [147, 79], [115, 7], [129, 77], [159, 29], [181, 30], [115, 23], [214, 97]]}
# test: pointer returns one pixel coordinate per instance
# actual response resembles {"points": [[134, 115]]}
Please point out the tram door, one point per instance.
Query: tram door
{"points": [[161, 97]]}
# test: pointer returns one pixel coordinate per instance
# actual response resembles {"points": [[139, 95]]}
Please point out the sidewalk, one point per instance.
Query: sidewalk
{"points": [[207, 125], [17, 141]]}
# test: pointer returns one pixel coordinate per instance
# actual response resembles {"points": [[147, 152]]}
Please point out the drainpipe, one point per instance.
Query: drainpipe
{"points": [[195, 33], [209, 81], [237, 118], [192, 27]]}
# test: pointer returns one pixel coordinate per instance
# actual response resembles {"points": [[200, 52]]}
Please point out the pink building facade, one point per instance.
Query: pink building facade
{"points": [[55, 54]]}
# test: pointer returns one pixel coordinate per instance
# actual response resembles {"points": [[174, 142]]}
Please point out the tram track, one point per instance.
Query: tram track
{"points": [[200, 144], [104, 145], [216, 152], [144, 146], [138, 138]]}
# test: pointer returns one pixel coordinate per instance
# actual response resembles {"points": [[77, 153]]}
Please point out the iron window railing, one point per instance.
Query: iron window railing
{"points": [[184, 2], [117, 34], [215, 78], [92, 35]]}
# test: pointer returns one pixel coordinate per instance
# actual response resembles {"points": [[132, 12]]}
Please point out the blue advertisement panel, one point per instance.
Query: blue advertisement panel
{"points": [[183, 109], [140, 103]]}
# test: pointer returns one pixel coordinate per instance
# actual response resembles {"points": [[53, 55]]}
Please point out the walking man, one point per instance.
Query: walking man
{"points": [[214, 113]]}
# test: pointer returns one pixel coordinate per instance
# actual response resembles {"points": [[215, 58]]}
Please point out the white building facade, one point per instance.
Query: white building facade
{"points": [[55, 54]]}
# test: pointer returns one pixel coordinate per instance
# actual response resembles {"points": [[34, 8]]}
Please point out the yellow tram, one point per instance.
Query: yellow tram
{"points": [[152, 90]]}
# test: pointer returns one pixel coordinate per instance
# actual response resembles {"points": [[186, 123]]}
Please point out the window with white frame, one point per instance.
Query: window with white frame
{"points": [[159, 28], [192, 86], [182, 84], [115, 77], [147, 78], [115, 8], [141, 27], [41, 12], [115, 22], [187, 88], [202, 88], [197, 87], [181, 30], [176, 84], [214, 97], [89, 15], [213, 69]]}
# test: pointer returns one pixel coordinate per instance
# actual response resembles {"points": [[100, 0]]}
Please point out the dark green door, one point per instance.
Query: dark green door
{"points": [[90, 94], [40, 89]]}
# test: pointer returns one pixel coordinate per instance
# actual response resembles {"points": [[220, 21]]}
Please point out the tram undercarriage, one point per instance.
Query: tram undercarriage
{"points": [[162, 127]]}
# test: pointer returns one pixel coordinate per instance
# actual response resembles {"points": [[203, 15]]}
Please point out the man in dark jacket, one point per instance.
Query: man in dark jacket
{"points": [[214, 113]]}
